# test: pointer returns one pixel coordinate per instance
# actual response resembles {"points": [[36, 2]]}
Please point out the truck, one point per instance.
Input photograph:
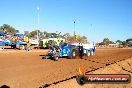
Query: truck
{"points": [[5, 42], [34, 43], [19, 45], [88, 49], [19, 42]]}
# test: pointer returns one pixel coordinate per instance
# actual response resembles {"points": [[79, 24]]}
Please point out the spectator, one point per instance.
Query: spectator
{"points": [[80, 50], [28, 46]]}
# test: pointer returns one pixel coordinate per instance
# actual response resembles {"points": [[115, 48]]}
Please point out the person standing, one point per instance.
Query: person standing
{"points": [[80, 50], [28, 46]]}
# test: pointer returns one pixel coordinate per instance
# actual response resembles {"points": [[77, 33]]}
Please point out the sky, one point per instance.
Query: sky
{"points": [[95, 19]]}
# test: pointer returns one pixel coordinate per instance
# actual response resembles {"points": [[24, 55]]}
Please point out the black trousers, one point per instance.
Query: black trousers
{"points": [[81, 53]]}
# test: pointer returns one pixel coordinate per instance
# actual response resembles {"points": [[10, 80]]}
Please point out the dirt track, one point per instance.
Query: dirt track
{"points": [[21, 69], [122, 67]]}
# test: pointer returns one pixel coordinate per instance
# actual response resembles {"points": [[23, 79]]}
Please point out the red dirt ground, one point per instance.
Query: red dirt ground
{"points": [[21, 69]]}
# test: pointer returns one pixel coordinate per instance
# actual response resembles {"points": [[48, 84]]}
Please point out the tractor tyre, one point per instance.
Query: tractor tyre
{"points": [[13, 46], [73, 54], [21, 47], [56, 58], [88, 53], [91, 53]]}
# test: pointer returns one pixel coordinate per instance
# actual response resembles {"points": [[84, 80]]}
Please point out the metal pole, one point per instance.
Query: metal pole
{"points": [[38, 24], [74, 32], [74, 28]]}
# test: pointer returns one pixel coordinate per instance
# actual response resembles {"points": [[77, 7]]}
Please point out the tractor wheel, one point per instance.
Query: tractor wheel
{"points": [[21, 47], [56, 58], [43, 57], [88, 53], [13, 46], [91, 53], [73, 54]]}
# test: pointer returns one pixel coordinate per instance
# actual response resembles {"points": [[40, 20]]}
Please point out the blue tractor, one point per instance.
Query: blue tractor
{"points": [[64, 50]]}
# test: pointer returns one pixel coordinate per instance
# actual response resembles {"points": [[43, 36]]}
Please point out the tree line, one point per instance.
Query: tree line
{"points": [[33, 34], [68, 37], [125, 43]]}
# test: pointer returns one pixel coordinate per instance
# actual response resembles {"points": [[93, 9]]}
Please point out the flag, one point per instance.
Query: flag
{"points": [[76, 37]]}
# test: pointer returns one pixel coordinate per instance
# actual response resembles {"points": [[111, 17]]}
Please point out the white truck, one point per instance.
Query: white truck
{"points": [[88, 49], [34, 43]]}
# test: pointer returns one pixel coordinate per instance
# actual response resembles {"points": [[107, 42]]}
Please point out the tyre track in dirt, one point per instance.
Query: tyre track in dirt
{"points": [[88, 71], [120, 67], [94, 69]]}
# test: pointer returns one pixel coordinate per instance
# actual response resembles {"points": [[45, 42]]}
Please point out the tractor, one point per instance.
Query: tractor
{"points": [[64, 50]]}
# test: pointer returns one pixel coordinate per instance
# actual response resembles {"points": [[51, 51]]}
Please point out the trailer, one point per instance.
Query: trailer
{"points": [[88, 49]]}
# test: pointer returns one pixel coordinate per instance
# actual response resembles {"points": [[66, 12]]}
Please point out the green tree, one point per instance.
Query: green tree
{"points": [[17, 31], [129, 42], [82, 39], [66, 35], [33, 33], [106, 41], [124, 43], [1, 29], [111, 42], [119, 41], [27, 33], [9, 29]]}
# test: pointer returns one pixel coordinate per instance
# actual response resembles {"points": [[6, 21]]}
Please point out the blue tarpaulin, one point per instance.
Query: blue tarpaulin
{"points": [[1, 33], [20, 34]]}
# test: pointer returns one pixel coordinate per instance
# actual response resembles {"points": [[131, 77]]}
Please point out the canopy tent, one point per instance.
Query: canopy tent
{"points": [[2, 33]]}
